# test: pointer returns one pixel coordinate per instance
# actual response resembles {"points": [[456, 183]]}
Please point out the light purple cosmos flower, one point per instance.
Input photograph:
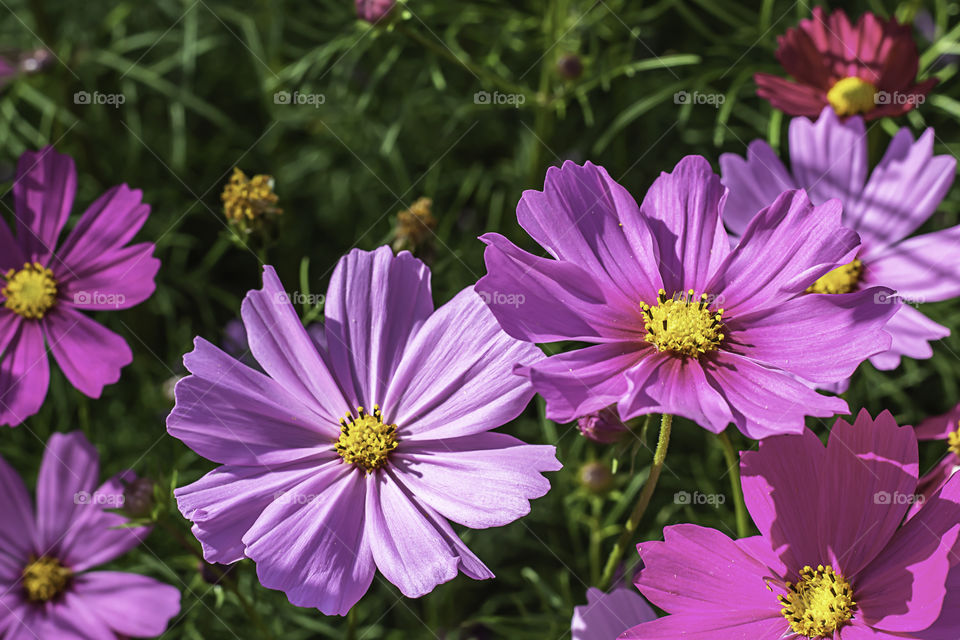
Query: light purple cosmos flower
{"points": [[829, 159], [679, 322], [49, 590], [607, 615], [834, 558], [341, 460], [45, 286]]}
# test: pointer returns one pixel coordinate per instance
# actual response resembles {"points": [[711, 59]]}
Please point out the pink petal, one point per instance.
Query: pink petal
{"points": [[828, 158], [70, 468], [130, 604], [607, 615], [90, 355], [24, 374], [753, 182], [43, 193]]}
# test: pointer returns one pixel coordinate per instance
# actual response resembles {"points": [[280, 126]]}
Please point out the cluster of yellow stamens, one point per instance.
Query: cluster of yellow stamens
{"points": [[246, 199], [44, 579], [415, 225], [365, 441], [841, 280], [852, 95], [683, 324], [819, 604], [31, 291], [953, 441]]}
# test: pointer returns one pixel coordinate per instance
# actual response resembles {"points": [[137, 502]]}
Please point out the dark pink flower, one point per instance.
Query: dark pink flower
{"points": [[867, 68], [48, 589], [46, 285]]}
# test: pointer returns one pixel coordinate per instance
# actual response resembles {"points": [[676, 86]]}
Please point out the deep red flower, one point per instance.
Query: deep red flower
{"points": [[867, 68]]}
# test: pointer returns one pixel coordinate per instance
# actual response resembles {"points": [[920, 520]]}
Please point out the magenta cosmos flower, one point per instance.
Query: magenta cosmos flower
{"points": [[833, 559], [342, 459], [944, 429], [607, 615], [679, 322], [867, 68], [45, 287], [829, 159], [46, 556]]}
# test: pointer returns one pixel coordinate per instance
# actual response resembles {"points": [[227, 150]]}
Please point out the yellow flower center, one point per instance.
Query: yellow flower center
{"points": [[31, 291], [851, 96], [841, 280], [683, 324], [365, 441], [953, 442], [44, 579], [819, 604], [248, 198]]}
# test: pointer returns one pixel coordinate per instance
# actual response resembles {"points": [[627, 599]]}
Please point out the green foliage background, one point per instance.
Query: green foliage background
{"points": [[399, 121]]}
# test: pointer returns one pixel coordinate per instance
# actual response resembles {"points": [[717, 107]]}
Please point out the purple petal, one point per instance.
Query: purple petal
{"points": [[945, 628], [444, 473], [544, 300], [584, 217], [606, 615], [408, 548], [785, 249], [43, 193], [848, 327], [456, 375], [232, 414], [903, 588], [911, 334], [921, 269], [903, 191], [130, 604], [683, 209], [283, 348], [90, 355], [700, 570], [24, 374], [781, 490], [70, 468], [123, 278], [865, 462], [11, 257], [17, 532], [374, 303], [224, 504], [70, 619], [311, 542], [828, 158], [766, 402], [663, 383], [753, 183], [578, 382], [939, 427], [106, 226], [726, 625]]}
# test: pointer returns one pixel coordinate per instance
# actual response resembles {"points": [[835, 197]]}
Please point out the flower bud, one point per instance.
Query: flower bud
{"points": [[602, 426]]}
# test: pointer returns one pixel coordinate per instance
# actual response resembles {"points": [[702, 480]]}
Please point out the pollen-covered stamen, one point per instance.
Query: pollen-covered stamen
{"points": [[684, 324], [852, 95], [31, 291], [953, 441], [841, 280], [44, 578], [365, 441], [819, 604]]}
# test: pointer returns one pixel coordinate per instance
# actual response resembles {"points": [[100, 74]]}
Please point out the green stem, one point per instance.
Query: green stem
{"points": [[659, 456], [733, 467]]}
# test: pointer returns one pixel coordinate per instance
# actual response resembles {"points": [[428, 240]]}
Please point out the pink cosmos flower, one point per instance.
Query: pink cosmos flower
{"points": [[829, 159], [45, 286], [49, 590], [350, 457], [867, 68], [677, 321], [835, 558], [607, 615], [945, 429]]}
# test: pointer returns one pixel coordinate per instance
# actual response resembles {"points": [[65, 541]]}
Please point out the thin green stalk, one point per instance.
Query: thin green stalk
{"points": [[733, 467], [659, 457]]}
